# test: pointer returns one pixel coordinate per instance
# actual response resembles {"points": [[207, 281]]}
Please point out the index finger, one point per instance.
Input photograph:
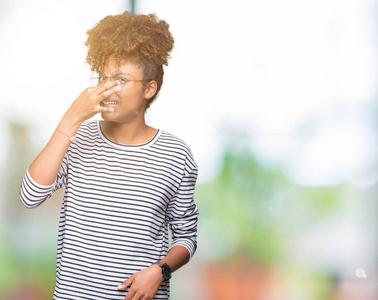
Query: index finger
{"points": [[126, 283], [112, 85]]}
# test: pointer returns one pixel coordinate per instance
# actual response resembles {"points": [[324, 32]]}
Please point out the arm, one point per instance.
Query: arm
{"points": [[45, 169], [182, 216], [177, 257], [146, 282]]}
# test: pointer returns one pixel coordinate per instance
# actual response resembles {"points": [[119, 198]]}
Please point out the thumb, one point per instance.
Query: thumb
{"points": [[126, 283]]}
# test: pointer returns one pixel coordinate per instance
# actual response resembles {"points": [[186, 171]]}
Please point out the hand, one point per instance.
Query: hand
{"points": [[88, 103], [143, 284]]}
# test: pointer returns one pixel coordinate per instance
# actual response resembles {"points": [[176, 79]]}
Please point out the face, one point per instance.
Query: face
{"points": [[129, 104]]}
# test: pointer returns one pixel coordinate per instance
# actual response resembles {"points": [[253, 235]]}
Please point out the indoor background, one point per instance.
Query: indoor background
{"points": [[278, 102]]}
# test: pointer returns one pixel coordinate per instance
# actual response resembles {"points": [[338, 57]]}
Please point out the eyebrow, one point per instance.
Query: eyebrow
{"points": [[120, 72]]}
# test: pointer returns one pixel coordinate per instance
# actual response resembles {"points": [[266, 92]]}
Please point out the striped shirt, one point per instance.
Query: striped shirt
{"points": [[118, 203]]}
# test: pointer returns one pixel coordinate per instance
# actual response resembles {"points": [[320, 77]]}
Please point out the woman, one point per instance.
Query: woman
{"points": [[125, 182]]}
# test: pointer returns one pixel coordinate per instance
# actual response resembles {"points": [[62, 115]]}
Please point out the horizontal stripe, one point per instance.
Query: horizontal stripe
{"points": [[118, 204]]}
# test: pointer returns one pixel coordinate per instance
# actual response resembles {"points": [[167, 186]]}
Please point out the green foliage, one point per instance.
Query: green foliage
{"points": [[25, 261], [238, 207], [246, 211], [20, 267]]}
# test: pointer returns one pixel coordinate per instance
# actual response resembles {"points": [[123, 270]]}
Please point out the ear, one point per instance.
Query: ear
{"points": [[150, 90]]}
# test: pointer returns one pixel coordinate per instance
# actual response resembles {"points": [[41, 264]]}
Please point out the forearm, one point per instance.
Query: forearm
{"points": [[176, 257], [45, 167], [147, 281]]}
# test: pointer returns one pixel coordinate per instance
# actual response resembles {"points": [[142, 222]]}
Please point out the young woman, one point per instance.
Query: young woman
{"points": [[125, 182]]}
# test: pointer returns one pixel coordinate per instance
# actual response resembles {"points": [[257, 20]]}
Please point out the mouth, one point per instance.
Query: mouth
{"points": [[109, 103]]}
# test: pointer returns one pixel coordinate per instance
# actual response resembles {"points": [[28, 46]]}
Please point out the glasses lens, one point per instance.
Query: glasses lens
{"points": [[121, 77], [98, 78]]}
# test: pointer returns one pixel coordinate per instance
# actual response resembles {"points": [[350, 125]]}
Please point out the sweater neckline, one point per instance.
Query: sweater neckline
{"points": [[126, 147]]}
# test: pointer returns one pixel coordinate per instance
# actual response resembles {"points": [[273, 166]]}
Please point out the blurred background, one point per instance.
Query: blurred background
{"points": [[278, 102]]}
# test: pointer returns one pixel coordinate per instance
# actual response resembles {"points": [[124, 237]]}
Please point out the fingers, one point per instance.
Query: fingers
{"points": [[99, 93], [143, 284], [107, 93], [105, 109], [102, 92], [107, 89], [126, 283]]}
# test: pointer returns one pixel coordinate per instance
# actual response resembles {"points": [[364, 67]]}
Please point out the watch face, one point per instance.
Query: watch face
{"points": [[167, 272]]}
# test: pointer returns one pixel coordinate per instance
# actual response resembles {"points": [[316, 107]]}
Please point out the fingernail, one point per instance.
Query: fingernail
{"points": [[117, 88], [111, 109]]}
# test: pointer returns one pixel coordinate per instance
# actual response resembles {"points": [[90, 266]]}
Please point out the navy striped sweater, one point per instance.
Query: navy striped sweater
{"points": [[118, 203]]}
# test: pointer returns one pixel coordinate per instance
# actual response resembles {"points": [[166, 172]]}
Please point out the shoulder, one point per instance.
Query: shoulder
{"points": [[172, 141], [176, 146]]}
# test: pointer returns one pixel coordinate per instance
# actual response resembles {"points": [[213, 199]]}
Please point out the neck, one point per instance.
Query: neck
{"points": [[128, 134]]}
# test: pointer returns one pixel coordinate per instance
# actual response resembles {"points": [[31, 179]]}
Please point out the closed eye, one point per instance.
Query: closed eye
{"points": [[120, 77], [122, 80], [102, 77]]}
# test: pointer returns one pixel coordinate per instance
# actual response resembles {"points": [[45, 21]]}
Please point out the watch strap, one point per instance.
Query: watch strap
{"points": [[160, 263], [166, 270]]}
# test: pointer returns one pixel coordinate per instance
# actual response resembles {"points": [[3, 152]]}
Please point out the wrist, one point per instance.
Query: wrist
{"points": [[165, 270], [69, 124], [157, 271]]}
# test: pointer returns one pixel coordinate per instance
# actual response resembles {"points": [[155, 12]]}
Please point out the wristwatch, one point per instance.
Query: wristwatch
{"points": [[166, 270]]}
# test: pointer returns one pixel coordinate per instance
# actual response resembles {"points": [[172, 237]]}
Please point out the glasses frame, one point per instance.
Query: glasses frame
{"points": [[111, 76]]}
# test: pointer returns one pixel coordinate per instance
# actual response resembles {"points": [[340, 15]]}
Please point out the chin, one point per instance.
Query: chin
{"points": [[107, 116]]}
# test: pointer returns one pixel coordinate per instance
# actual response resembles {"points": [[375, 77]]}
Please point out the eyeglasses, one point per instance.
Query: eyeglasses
{"points": [[99, 78]]}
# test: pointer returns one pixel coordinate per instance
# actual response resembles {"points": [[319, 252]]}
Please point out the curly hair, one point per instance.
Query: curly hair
{"points": [[142, 39]]}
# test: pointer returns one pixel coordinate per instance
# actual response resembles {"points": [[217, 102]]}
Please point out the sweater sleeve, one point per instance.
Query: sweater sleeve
{"points": [[33, 194], [182, 213]]}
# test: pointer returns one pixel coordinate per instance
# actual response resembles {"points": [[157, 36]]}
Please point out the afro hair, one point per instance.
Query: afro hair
{"points": [[142, 39]]}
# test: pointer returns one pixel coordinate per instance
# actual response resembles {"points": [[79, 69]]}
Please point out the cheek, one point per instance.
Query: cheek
{"points": [[132, 95]]}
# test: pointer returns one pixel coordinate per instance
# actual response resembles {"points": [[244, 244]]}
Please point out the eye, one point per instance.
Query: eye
{"points": [[120, 77], [102, 77]]}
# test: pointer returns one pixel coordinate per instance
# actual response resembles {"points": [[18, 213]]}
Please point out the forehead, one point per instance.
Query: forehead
{"points": [[124, 66]]}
